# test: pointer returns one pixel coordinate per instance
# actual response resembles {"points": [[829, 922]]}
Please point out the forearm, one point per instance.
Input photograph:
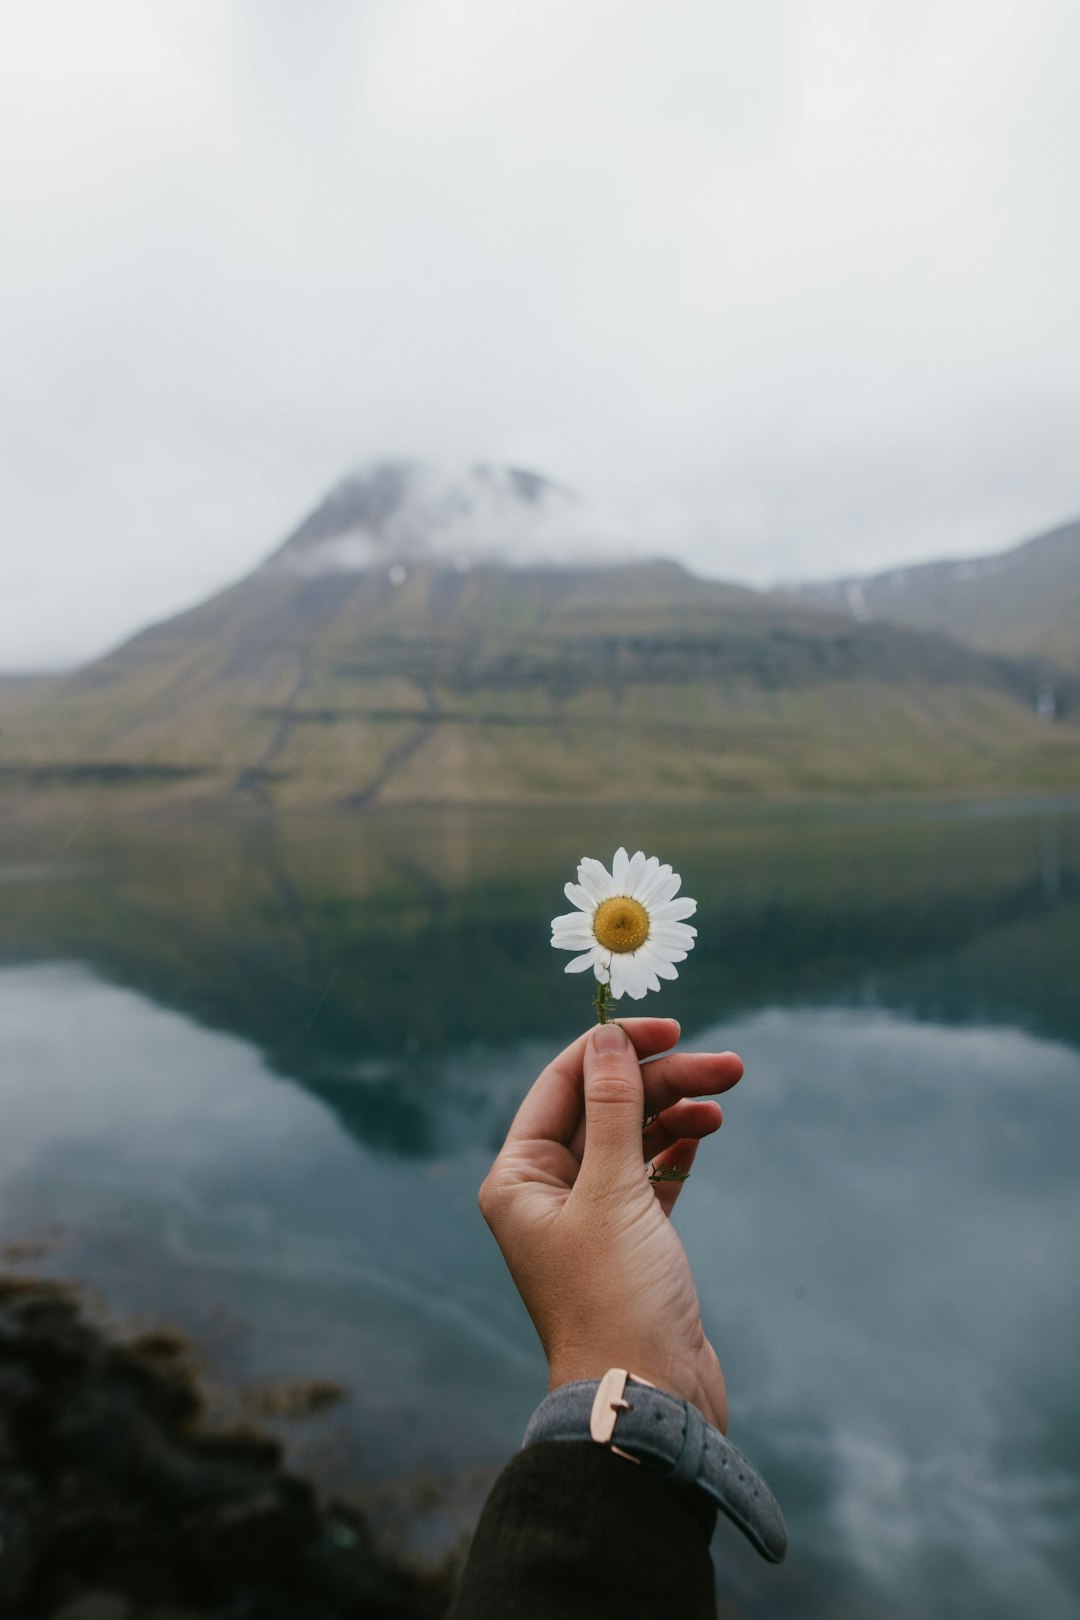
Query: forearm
{"points": [[573, 1530]]}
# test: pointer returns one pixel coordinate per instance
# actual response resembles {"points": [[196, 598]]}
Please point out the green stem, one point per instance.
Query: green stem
{"points": [[603, 1002]]}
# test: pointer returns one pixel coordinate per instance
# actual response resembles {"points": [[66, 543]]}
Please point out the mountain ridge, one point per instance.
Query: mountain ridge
{"points": [[414, 671], [1021, 601]]}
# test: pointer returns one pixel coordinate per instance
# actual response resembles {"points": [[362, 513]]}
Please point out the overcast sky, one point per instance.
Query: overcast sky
{"points": [[792, 282]]}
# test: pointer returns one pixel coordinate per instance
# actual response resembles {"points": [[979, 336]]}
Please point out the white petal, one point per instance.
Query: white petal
{"points": [[656, 876], [590, 888], [580, 963], [634, 873], [618, 978], [674, 910], [570, 919], [681, 935], [658, 961], [646, 870], [665, 891], [578, 897], [583, 941], [595, 879], [635, 976], [648, 966], [602, 968], [618, 869], [629, 975]]}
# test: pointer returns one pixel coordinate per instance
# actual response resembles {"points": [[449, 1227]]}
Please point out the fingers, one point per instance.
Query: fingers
{"points": [[614, 1095], [687, 1120], [689, 1074], [679, 1156], [553, 1108], [671, 1079]]}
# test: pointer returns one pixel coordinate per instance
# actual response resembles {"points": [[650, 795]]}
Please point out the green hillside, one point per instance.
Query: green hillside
{"points": [[437, 683], [1024, 602]]}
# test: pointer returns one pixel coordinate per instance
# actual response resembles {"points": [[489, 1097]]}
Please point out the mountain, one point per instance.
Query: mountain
{"points": [[394, 649], [1024, 602]]}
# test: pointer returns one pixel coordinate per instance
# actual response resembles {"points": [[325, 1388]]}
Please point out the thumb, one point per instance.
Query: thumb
{"points": [[614, 1099]]}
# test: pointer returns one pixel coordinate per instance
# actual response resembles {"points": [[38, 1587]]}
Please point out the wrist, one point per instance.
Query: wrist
{"points": [[711, 1402], [666, 1434]]}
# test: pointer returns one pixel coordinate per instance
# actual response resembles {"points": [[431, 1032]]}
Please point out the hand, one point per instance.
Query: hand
{"points": [[585, 1233]]}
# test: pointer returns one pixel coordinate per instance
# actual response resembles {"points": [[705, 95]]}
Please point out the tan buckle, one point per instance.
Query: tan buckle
{"points": [[608, 1402]]}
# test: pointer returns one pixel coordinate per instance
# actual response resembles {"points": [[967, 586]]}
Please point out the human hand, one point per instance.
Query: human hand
{"points": [[586, 1234]]}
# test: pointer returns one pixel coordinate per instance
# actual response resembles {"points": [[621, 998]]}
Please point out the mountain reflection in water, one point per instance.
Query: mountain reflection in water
{"points": [[258, 1070]]}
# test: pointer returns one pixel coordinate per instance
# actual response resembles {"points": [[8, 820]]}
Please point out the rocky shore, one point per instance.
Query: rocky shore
{"points": [[118, 1501]]}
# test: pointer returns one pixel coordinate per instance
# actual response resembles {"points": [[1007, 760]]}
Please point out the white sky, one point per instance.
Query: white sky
{"points": [[793, 282]]}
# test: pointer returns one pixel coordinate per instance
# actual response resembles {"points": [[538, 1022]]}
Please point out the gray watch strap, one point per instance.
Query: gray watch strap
{"points": [[670, 1436]]}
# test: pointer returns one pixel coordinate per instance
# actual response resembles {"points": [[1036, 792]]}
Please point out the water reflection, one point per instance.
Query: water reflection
{"points": [[356, 954], [258, 1072], [905, 1198]]}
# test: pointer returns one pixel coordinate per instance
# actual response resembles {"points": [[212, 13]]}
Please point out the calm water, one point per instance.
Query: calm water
{"points": [[251, 1077]]}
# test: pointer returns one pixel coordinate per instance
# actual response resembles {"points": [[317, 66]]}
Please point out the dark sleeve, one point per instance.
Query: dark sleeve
{"points": [[571, 1530]]}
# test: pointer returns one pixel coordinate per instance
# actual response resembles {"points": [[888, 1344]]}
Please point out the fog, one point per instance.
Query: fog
{"points": [[789, 285]]}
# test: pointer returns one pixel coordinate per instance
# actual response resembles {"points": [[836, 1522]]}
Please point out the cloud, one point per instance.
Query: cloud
{"points": [[802, 288]]}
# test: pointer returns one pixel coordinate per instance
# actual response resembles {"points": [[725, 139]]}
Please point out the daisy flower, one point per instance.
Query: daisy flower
{"points": [[628, 926]]}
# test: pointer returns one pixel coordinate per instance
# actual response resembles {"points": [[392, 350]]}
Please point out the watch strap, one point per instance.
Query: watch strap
{"points": [[669, 1436]]}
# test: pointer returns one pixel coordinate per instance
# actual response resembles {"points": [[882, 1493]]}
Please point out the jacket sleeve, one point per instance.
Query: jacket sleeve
{"points": [[572, 1530]]}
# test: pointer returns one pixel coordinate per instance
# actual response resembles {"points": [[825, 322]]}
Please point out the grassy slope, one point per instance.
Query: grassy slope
{"points": [[507, 687]]}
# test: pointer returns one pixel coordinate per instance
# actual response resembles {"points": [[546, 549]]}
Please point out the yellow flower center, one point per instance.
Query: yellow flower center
{"points": [[621, 924]]}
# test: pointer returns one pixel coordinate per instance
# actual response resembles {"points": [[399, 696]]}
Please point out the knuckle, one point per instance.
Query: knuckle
{"points": [[610, 1084]]}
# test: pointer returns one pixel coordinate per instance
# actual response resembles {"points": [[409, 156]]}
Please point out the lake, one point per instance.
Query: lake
{"points": [[253, 1073]]}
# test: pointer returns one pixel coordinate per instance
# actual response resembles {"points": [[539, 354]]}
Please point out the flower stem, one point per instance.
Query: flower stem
{"points": [[603, 1002]]}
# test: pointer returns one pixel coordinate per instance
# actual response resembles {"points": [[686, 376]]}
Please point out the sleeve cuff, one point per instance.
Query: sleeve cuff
{"points": [[572, 1529]]}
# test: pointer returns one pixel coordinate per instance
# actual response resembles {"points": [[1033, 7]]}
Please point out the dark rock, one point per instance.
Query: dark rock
{"points": [[94, 1606], [161, 1386], [16, 1388], [264, 1533], [17, 1551], [115, 1504], [246, 1448]]}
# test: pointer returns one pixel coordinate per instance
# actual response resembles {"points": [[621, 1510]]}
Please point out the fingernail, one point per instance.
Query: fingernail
{"points": [[610, 1038]]}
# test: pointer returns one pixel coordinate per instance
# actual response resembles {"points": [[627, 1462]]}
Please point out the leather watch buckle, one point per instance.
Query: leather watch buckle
{"points": [[608, 1402]]}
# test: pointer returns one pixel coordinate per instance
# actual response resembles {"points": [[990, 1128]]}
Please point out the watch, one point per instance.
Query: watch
{"points": [[670, 1437]]}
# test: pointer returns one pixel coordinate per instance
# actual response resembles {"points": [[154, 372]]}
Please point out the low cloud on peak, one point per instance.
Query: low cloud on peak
{"points": [[398, 509]]}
